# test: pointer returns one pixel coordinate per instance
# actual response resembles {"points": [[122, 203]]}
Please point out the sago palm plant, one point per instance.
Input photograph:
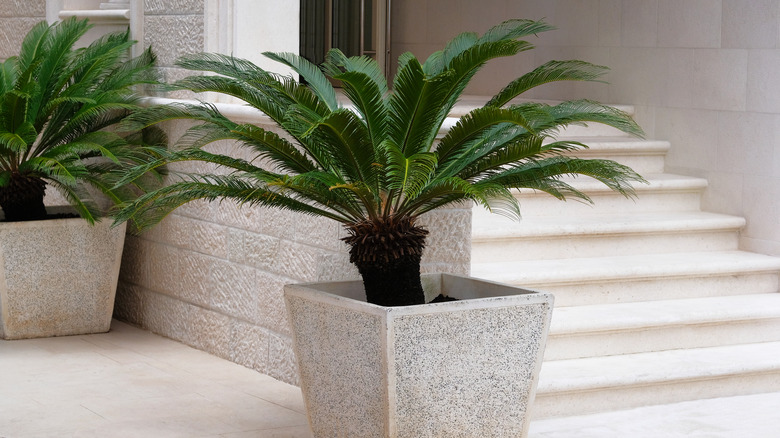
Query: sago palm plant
{"points": [[375, 164], [55, 103]]}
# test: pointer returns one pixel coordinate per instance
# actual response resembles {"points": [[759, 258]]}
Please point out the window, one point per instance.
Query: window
{"points": [[356, 27]]}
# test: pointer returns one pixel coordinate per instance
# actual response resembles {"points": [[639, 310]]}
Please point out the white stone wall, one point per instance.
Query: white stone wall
{"points": [[17, 17], [701, 74], [174, 28]]}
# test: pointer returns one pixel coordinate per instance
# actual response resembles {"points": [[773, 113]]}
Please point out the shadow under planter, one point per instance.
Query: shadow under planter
{"points": [[466, 368], [58, 277]]}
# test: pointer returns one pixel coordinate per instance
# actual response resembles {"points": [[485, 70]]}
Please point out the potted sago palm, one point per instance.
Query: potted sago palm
{"points": [[58, 104], [374, 360]]}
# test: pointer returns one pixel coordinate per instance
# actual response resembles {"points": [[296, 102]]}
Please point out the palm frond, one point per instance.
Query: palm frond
{"points": [[552, 71], [33, 45], [225, 65], [409, 175], [415, 107], [211, 187], [311, 73], [580, 112], [515, 28], [455, 151], [365, 85], [530, 175], [8, 74], [350, 150]]}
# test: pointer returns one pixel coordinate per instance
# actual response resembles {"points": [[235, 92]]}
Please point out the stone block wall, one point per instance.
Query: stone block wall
{"points": [[211, 275], [18, 17], [174, 28]]}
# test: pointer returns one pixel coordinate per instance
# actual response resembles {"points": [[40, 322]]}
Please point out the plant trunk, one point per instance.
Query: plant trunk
{"points": [[22, 198], [387, 253]]}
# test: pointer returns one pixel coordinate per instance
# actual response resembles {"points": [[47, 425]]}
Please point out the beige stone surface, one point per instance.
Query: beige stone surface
{"points": [[57, 277], [458, 369]]}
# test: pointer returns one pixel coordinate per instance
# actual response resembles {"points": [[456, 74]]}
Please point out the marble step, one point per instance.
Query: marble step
{"points": [[600, 384], [644, 156], [497, 238], [663, 192], [641, 277], [612, 329]]}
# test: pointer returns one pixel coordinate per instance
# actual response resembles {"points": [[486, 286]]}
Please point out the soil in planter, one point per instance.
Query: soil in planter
{"points": [[442, 299], [48, 216]]}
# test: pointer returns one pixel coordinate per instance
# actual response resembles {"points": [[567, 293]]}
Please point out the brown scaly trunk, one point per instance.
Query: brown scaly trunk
{"points": [[387, 254], [22, 198]]}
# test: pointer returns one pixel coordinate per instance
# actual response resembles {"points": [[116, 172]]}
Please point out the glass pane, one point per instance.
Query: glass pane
{"points": [[345, 34]]}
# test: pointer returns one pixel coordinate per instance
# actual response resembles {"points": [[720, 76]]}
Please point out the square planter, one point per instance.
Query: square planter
{"points": [[466, 368], [58, 277]]}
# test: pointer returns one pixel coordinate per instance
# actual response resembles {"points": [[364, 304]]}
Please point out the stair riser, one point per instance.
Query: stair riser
{"points": [[566, 246], [582, 133], [651, 289], [670, 337], [573, 403], [642, 164], [605, 203]]}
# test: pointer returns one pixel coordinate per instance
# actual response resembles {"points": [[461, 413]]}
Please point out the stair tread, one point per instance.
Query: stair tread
{"points": [[654, 314], [655, 182], [642, 369], [622, 144], [493, 226], [471, 101], [625, 266]]}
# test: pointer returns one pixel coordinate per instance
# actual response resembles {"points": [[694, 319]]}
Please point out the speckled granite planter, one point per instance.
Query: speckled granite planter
{"points": [[58, 277], [466, 368]]}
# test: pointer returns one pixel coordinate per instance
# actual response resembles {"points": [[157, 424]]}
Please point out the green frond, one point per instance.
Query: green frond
{"points": [[552, 71], [33, 45], [152, 207], [271, 146], [580, 112], [437, 62], [415, 107], [236, 88], [8, 75], [534, 173], [225, 65], [365, 85], [515, 28], [409, 175], [311, 73], [153, 115], [349, 147], [437, 194], [79, 199], [455, 151]]}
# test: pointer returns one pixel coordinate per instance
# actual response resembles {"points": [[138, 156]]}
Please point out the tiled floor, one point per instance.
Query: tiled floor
{"points": [[130, 383]]}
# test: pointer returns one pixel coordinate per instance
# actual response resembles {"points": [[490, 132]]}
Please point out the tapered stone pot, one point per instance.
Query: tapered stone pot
{"points": [[466, 368], [58, 277]]}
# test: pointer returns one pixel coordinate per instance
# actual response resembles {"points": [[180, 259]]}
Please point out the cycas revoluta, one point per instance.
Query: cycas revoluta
{"points": [[374, 164], [55, 103]]}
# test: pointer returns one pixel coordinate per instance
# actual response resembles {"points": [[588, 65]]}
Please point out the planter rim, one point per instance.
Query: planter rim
{"points": [[52, 210], [435, 282]]}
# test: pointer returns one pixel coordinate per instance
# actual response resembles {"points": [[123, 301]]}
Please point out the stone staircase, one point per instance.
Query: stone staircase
{"points": [[655, 303]]}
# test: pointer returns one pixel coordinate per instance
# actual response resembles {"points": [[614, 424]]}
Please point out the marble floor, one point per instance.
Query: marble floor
{"points": [[131, 383]]}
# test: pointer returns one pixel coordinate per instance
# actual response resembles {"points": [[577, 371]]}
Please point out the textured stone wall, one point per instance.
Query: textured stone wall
{"points": [[211, 274], [174, 28], [17, 17]]}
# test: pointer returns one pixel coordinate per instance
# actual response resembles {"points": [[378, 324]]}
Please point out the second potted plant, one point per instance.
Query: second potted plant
{"points": [[59, 266]]}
